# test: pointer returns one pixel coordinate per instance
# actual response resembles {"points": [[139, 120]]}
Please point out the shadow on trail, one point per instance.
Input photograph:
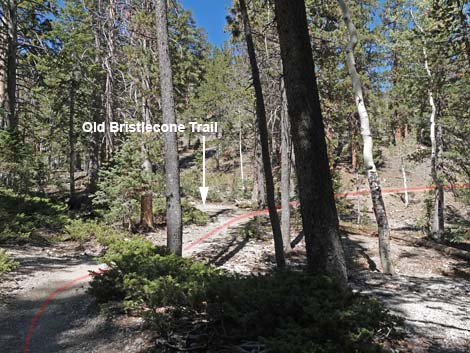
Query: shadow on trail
{"points": [[44, 262], [62, 315], [71, 323], [435, 308], [228, 251]]}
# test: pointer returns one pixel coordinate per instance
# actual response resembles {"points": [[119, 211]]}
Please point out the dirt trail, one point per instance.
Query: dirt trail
{"points": [[43, 270], [429, 290], [70, 323]]}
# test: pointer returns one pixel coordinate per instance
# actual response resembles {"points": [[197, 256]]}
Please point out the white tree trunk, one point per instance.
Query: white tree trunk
{"points": [[405, 182], [372, 175], [437, 218], [286, 148]]}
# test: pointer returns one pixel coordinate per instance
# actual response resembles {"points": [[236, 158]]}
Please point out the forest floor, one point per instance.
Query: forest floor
{"points": [[430, 290]]}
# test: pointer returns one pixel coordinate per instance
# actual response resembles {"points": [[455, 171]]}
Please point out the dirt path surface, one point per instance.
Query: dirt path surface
{"points": [[431, 290], [42, 271], [69, 322]]}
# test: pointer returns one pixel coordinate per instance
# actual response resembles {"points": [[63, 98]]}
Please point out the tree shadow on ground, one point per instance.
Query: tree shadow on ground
{"points": [[435, 308], [70, 323]]}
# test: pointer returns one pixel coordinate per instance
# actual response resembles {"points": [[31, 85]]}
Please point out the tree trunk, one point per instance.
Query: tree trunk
{"points": [[259, 189], [108, 63], [286, 148], [437, 218], [240, 147], [438, 214], [264, 138], [372, 175], [97, 108], [146, 211], [358, 199], [3, 66], [353, 132], [317, 202], [397, 128], [12, 47], [437, 221], [172, 175], [94, 162], [405, 180], [73, 89], [293, 178]]}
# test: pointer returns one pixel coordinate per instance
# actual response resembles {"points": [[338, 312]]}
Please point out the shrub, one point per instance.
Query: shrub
{"points": [[290, 312], [223, 186], [257, 228], [6, 264], [20, 215], [83, 231], [191, 215]]}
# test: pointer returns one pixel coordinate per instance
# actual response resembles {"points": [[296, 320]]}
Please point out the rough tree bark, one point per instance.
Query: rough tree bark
{"points": [[397, 128], [372, 175], [172, 175], [12, 47], [73, 89], [97, 108], [264, 138], [109, 33], [3, 64], [286, 148], [317, 203]]}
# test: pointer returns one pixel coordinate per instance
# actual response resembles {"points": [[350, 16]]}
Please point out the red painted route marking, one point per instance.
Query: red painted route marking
{"points": [[295, 203], [214, 231], [46, 303]]}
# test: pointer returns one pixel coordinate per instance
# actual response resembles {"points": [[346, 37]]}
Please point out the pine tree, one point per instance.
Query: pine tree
{"points": [[318, 209], [173, 215]]}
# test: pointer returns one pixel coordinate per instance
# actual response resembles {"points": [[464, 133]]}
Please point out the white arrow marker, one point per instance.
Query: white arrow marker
{"points": [[204, 190]]}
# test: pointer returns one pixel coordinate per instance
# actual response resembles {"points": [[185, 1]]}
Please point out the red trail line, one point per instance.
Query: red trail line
{"points": [[46, 303], [215, 231]]}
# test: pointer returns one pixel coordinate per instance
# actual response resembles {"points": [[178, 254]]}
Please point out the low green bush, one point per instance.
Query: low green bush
{"points": [[290, 312], [21, 215], [191, 215], [6, 264], [257, 228], [83, 231], [224, 186]]}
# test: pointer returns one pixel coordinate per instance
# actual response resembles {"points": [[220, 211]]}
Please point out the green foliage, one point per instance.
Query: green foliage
{"points": [[6, 264], [291, 312], [123, 181], [21, 215], [146, 276], [191, 215], [83, 231], [256, 228], [21, 169], [224, 186]]}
